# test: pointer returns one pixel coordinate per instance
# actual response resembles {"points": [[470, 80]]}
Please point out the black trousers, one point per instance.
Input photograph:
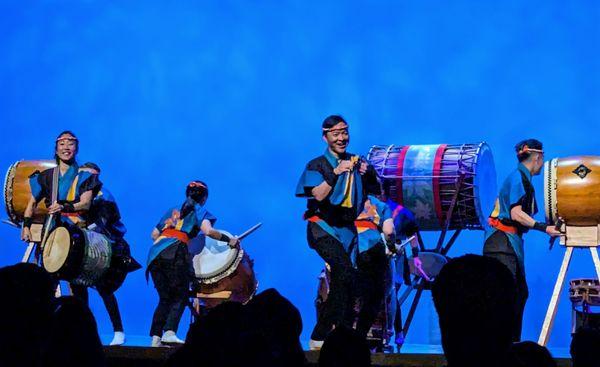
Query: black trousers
{"points": [[110, 302], [372, 267], [499, 247], [171, 277], [339, 308]]}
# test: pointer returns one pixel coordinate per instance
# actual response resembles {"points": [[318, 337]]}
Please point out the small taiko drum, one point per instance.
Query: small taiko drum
{"points": [[572, 190], [425, 179], [17, 191], [224, 273], [584, 291], [77, 255]]}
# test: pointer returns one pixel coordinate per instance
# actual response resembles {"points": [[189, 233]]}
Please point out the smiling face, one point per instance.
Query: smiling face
{"points": [[66, 147], [338, 138]]}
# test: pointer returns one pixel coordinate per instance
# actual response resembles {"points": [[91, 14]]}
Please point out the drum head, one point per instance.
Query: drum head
{"points": [[212, 258], [484, 182], [432, 264], [56, 249]]}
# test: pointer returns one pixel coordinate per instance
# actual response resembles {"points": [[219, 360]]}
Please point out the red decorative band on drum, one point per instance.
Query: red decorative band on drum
{"points": [[437, 171], [496, 223], [400, 173], [365, 224], [173, 233]]}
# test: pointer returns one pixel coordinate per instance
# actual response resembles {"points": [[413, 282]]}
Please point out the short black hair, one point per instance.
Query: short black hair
{"points": [[197, 192], [91, 165], [331, 121], [531, 144]]}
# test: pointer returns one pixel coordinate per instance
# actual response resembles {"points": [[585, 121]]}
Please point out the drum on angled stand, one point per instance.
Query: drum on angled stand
{"points": [[423, 178]]}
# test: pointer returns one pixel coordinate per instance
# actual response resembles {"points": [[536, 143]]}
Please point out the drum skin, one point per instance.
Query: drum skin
{"points": [[17, 191], [572, 190]]}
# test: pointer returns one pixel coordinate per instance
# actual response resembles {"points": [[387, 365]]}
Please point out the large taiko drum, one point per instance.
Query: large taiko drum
{"points": [[77, 255], [423, 178], [572, 190], [17, 191], [222, 269]]}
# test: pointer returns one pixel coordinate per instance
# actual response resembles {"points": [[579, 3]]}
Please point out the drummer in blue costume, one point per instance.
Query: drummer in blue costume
{"points": [[513, 216], [75, 187], [336, 184], [169, 261], [104, 217], [372, 261]]}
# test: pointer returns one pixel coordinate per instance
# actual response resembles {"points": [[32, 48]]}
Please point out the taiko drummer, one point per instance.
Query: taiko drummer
{"points": [[169, 261], [75, 187], [513, 216]]}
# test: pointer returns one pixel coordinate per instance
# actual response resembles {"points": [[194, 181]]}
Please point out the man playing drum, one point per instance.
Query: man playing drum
{"points": [[512, 217], [169, 261], [336, 185], [75, 187]]}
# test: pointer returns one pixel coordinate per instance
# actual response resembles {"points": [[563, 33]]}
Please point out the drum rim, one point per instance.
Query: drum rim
{"points": [[550, 190], [481, 147], [214, 278], [8, 196]]}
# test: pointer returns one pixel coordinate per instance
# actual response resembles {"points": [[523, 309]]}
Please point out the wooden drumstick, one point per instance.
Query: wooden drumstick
{"points": [[249, 231]]}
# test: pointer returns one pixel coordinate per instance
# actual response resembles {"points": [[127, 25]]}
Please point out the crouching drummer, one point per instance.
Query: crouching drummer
{"points": [[104, 217], [169, 261]]}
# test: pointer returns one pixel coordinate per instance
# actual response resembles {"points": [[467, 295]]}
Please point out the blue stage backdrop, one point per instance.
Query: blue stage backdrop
{"points": [[233, 93]]}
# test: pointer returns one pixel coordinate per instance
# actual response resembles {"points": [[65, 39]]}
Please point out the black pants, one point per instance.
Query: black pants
{"points": [[499, 247], [372, 268], [171, 277], [338, 309], [110, 302]]}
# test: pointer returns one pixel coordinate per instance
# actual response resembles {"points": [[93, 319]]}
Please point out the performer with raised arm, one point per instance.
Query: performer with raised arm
{"points": [[513, 216], [336, 185], [169, 261]]}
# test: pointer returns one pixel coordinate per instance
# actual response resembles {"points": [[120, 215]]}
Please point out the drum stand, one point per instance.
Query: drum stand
{"points": [[418, 282], [582, 237]]}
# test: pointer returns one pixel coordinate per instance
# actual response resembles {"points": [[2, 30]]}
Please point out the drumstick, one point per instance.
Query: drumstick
{"points": [[249, 231]]}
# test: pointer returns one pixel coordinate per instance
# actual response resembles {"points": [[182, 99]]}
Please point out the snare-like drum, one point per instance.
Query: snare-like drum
{"points": [[423, 178], [572, 190], [17, 191], [77, 255], [222, 269]]}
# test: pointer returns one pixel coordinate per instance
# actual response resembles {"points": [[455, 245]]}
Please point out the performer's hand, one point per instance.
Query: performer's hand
{"points": [[25, 234], [553, 232], [55, 208], [344, 166], [362, 169], [234, 242]]}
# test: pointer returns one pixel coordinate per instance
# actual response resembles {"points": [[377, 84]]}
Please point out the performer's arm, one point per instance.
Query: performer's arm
{"points": [[84, 203], [28, 215], [207, 228], [517, 214], [321, 191]]}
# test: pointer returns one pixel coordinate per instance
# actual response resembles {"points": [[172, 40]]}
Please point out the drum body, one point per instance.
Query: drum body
{"points": [[423, 178], [77, 255], [220, 268], [572, 190], [584, 291], [17, 191]]}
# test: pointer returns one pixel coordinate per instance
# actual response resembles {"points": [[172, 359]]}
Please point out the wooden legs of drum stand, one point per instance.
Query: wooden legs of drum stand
{"points": [[560, 280]]}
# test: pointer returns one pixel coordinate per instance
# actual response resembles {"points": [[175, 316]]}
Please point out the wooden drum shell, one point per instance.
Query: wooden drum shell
{"points": [[17, 191], [572, 190]]}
